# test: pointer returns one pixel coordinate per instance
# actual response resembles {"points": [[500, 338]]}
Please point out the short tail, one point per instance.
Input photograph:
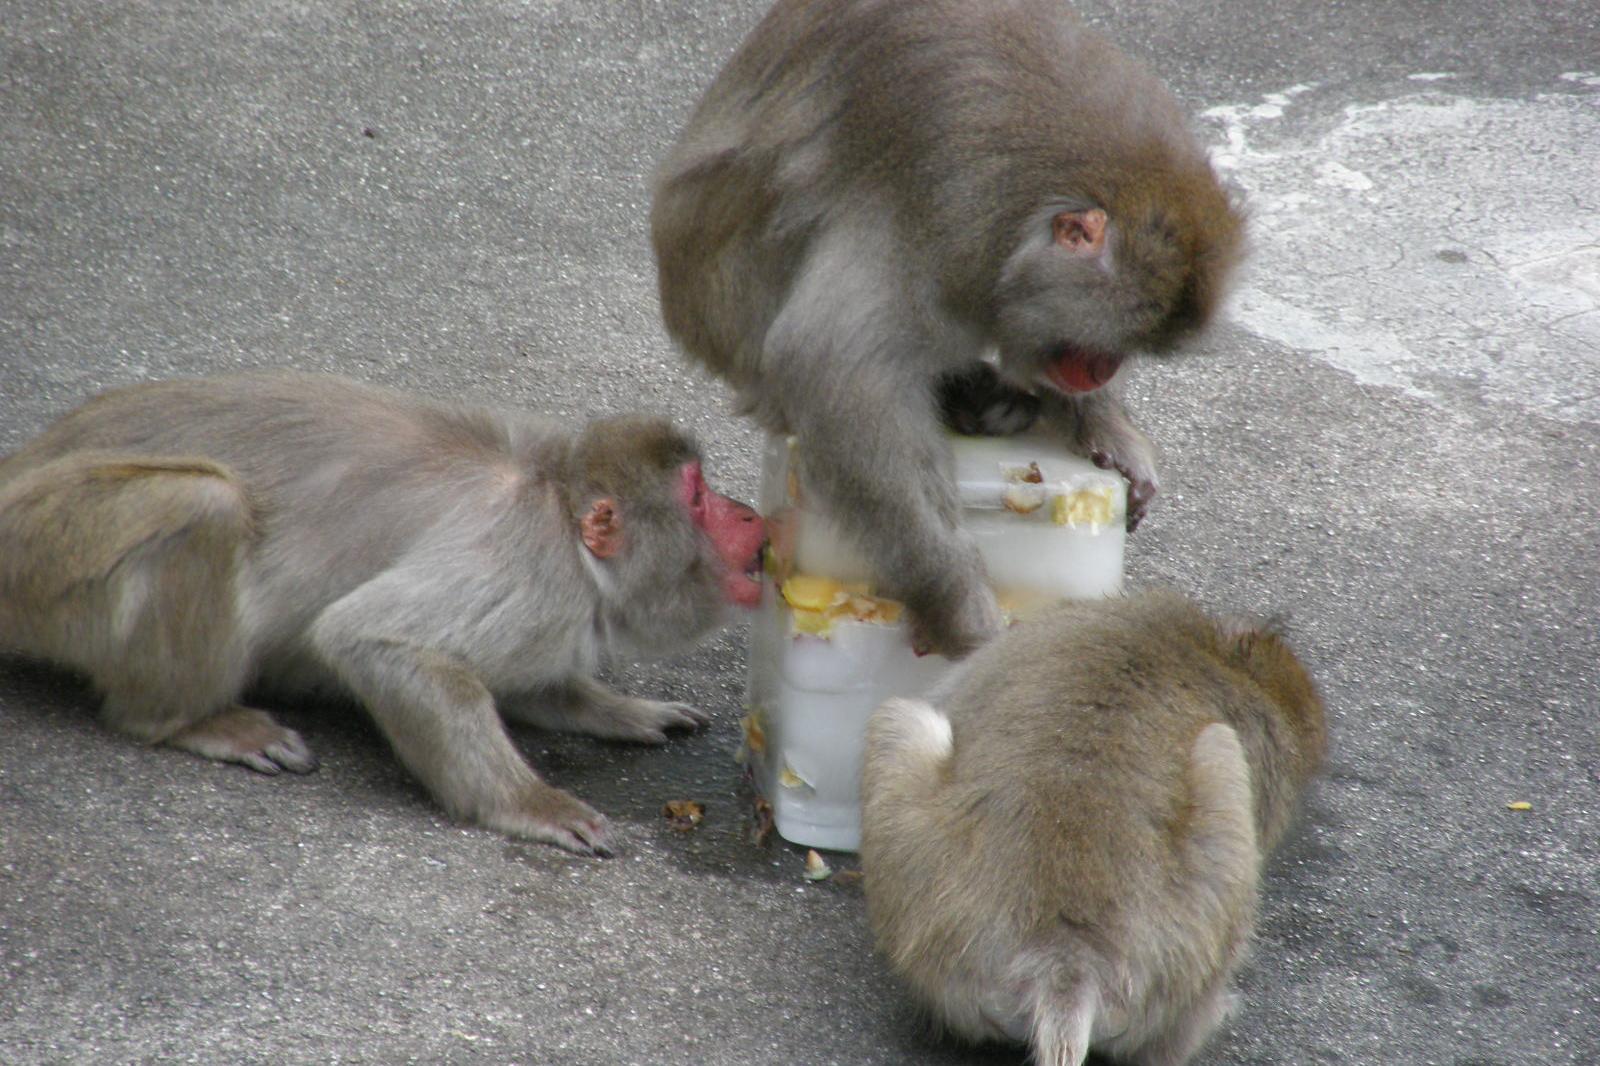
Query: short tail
{"points": [[1063, 1021]]}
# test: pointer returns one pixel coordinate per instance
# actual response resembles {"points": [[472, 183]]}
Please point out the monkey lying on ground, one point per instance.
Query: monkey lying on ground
{"points": [[871, 195], [183, 542], [1062, 846]]}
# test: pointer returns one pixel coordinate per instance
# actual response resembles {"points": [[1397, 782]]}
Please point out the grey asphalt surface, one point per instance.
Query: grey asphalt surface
{"points": [[1394, 440]]}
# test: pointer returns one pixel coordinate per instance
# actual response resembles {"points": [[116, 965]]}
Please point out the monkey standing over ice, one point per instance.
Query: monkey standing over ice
{"points": [[872, 194], [1062, 845], [184, 541]]}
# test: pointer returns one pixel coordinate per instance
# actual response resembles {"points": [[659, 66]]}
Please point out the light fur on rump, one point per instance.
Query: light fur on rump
{"points": [[1062, 845], [182, 542]]}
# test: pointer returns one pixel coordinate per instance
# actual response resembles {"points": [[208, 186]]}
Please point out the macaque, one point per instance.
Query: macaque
{"points": [[871, 197], [183, 543], [1062, 844]]}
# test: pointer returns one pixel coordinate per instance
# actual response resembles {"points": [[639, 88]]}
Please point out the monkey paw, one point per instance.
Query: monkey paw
{"points": [[958, 630], [978, 402], [249, 737], [1142, 483], [555, 817], [646, 721]]}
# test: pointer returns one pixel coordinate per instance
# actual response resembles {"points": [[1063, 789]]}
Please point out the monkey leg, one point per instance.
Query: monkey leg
{"points": [[873, 452], [442, 723], [585, 705], [1221, 843], [126, 567], [908, 744], [1178, 1044], [1224, 862]]}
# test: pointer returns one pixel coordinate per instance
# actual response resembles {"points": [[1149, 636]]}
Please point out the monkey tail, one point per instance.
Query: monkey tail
{"points": [[1064, 1014]]}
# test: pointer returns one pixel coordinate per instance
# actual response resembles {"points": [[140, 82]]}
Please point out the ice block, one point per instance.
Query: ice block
{"points": [[826, 648]]}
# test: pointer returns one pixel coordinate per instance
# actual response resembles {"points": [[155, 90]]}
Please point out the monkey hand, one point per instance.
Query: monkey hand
{"points": [[955, 627], [978, 402], [1109, 438], [1142, 483]]}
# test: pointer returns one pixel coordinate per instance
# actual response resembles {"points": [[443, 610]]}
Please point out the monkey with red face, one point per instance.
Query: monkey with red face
{"points": [[871, 196], [183, 542]]}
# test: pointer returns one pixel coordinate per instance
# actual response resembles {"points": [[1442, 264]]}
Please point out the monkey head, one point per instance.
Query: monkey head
{"points": [[1095, 279], [670, 551]]}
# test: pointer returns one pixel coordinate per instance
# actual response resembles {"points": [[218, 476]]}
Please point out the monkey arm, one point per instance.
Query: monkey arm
{"points": [[430, 703], [872, 450]]}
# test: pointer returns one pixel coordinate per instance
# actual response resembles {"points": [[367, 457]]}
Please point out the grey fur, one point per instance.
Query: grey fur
{"points": [[186, 541], [862, 204]]}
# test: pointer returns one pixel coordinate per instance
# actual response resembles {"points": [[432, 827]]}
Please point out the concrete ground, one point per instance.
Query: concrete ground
{"points": [[1395, 440]]}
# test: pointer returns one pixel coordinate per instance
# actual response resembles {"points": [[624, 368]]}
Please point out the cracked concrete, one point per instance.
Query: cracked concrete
{"points": [[1444, 236]]}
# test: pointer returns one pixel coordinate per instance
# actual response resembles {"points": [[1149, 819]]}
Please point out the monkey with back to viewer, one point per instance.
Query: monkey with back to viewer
{"points": [[1062, 843], [181, 542], [870, 195]]}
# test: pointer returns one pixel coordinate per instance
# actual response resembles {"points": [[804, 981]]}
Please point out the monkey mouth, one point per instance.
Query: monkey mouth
{"points": [[1075, 369], [743, 588]]}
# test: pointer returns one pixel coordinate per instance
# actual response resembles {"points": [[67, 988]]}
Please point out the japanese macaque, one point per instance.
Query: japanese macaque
{"points": [[1062, 844], [184, 542], [872, 196]]}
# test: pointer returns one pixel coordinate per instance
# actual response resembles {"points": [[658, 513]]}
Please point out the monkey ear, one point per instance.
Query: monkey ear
{"points": [[1080, 232], [602, 528]]}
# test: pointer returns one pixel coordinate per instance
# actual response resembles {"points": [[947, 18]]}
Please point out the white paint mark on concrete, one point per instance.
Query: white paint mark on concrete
{"points": [[1337, 174], [1431, 243], [1430, 76], [1583, 77]]}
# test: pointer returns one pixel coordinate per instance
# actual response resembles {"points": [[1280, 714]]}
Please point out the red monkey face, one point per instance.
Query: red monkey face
{"points": [[736, 532]]}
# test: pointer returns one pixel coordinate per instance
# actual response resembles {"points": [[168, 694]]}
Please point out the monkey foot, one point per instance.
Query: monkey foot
{"points": [[249, 737], [646, 721], [556, 817]]}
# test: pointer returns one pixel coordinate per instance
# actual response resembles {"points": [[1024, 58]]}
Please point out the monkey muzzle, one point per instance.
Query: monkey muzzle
{"points": [[1075, 370]]}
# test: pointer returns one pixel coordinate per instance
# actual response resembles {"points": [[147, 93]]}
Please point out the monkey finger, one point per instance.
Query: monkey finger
{"points": [[1140, 493], [1141, 490]]}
